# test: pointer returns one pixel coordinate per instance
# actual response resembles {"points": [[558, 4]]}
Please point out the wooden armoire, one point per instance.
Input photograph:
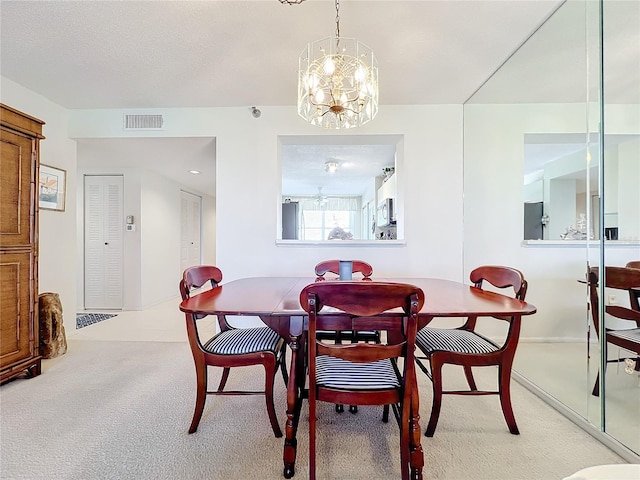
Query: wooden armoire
{"points": [[19, 169]]}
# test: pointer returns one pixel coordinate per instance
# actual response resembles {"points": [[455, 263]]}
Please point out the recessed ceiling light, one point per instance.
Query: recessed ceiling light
{"points": [[194, 172]]}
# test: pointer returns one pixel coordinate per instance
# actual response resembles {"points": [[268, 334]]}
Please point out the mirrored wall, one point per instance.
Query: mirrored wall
{"points": [[555, 133]]}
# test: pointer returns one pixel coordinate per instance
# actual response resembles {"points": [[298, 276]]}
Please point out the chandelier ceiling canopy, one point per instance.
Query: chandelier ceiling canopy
{"points": [[337, 82]]}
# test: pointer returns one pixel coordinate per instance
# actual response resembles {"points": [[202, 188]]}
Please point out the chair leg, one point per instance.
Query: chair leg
{"points": [[505, 399], [224, 378], [404, 442], [312, 437], [596, 387], [385, 414], [470, 380], [270, 373], [436, 381], [201, 395]]}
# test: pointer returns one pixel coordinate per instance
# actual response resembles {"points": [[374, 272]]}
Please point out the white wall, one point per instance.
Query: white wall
{"points": [[159, 226], [248, 186], [629, 180], [57, 235], [248, 196]]}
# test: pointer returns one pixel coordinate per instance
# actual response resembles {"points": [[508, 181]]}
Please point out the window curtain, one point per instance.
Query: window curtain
{"points": [[350, 204]]}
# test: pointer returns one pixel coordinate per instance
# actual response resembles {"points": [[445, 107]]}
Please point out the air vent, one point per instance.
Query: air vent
{"points": [[143, 122]]}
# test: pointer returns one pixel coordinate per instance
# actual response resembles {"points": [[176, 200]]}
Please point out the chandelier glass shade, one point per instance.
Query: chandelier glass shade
{"points": [[337, 83]]}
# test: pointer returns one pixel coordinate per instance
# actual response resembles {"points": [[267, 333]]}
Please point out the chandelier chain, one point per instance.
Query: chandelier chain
{"points": [[338, 20]]}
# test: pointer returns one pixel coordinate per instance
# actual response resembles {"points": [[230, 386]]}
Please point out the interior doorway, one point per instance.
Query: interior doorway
{"points": [[190, 230], [103, 241]]}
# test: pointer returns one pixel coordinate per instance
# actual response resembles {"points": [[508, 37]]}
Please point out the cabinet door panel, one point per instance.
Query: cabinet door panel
{"points": [[16, 164], [18, 298]]}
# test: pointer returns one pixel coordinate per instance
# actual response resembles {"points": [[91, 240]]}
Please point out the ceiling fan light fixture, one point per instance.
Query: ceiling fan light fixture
{"points": [[337, 82], [331, 167]]}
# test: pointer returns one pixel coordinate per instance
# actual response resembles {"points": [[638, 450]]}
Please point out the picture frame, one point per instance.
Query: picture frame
{"points": [[52, 187]]}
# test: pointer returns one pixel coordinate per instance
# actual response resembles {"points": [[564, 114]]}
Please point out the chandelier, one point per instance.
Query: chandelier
{"points": [[291, 2], [337, 82]]}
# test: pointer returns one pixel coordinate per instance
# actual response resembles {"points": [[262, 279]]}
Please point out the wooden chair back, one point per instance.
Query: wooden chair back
{"points": [[196, 277], [634, 295], [500, 277], [330, 304], [333, 266], [618, 278]]}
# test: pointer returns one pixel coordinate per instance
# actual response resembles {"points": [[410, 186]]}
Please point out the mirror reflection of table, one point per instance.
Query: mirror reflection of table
{"points": [[276, 301]]}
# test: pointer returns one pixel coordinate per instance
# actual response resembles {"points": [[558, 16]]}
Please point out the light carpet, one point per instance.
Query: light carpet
{"points": [[121, 410]]}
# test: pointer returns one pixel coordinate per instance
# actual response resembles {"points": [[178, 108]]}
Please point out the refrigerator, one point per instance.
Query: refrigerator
{"points": [[290, 219]]}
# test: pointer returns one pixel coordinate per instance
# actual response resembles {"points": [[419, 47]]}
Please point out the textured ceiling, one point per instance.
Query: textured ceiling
{"points": [[145, 54]]}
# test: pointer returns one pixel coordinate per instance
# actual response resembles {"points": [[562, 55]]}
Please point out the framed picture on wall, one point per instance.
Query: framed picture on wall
{"points": [[52, 188]]}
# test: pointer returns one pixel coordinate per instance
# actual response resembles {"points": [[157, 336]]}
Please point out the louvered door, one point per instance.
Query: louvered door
{"points": [[103, 242]]}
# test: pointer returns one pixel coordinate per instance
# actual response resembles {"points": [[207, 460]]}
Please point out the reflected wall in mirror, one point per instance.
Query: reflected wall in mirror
{"points": [[558, 205], [340, 187], [529, 121]]}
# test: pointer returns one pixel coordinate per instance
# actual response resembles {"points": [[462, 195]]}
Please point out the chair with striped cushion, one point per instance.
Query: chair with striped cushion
{"points": [[357, 266], [628, 339], [231, 347], [366, 373], [464, 346]]}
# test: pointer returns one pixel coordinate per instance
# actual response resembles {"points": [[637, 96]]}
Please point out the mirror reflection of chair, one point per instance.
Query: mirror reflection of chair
{"points": [[465, 347], [622, 279], [365, 373], [231, 347], [634, 295]]}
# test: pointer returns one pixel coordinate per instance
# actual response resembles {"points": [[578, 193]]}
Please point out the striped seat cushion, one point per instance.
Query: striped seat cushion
{"points": [[243, 340], [461, 341], [632, 334], [337, 373]]}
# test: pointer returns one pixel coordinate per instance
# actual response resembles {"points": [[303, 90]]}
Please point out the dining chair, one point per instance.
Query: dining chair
{"points": [[622, 279], [466, 347], [230, 347], [366, 373], [358, 266]]}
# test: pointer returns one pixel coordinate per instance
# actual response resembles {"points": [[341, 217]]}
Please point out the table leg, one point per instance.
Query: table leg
{"points": [[295, 393]]}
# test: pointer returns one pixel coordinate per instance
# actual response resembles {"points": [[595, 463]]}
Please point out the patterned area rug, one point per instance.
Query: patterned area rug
{"points": [[86, 319]]}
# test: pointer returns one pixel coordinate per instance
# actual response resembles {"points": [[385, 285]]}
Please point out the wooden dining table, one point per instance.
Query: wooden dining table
{"points": [[276, 300]]}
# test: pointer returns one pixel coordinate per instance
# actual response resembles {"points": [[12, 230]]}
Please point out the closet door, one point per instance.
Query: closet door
{"points": [[103, 242], [190, 215]]}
